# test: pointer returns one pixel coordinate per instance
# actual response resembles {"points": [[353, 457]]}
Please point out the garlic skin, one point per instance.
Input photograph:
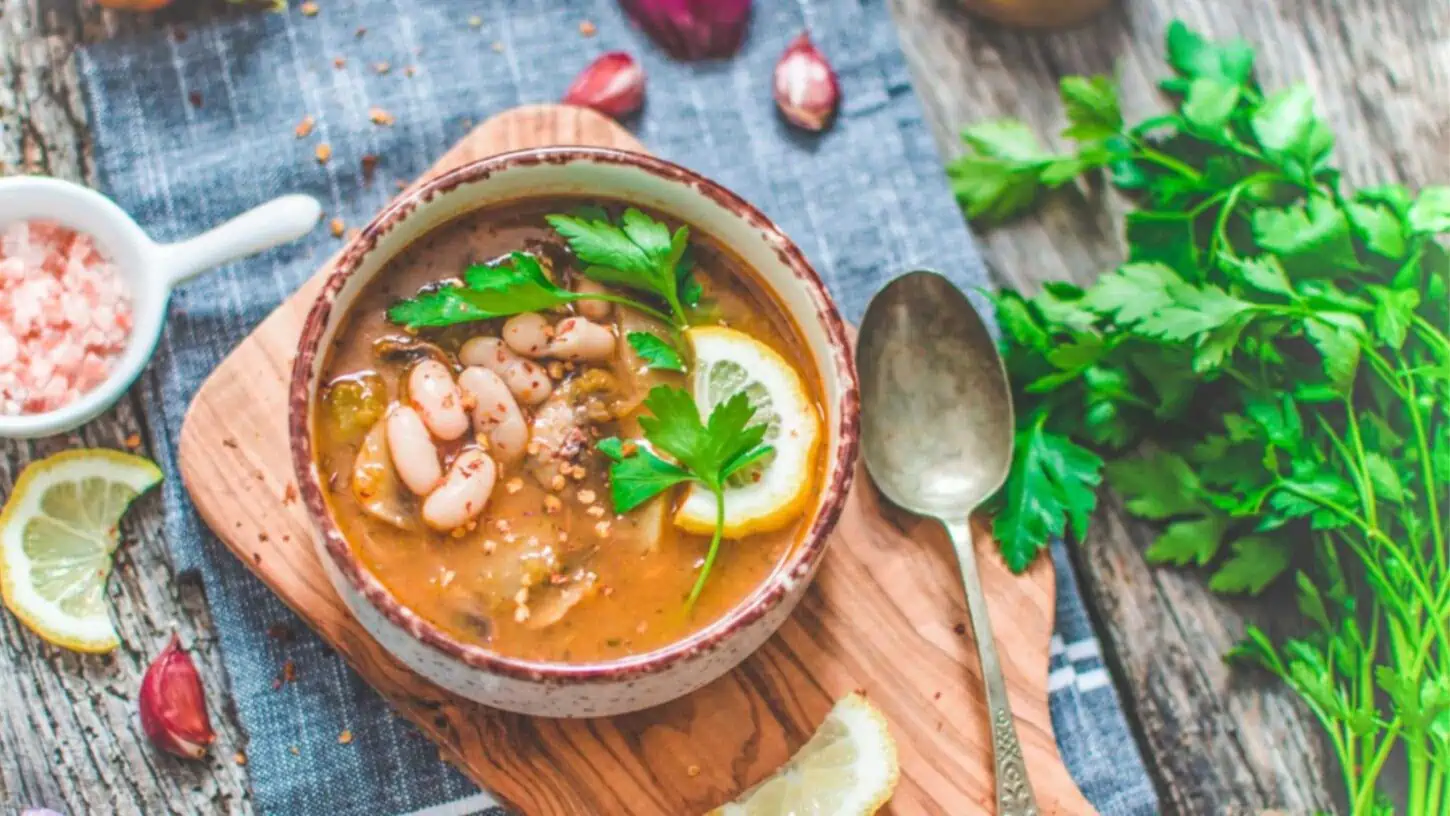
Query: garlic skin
{"points": [[692, 29], [173, 704], [612, 85], [806, 90]]}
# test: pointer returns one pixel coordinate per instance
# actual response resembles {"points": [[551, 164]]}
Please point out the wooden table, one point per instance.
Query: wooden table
{"points": [[1218, 741]]}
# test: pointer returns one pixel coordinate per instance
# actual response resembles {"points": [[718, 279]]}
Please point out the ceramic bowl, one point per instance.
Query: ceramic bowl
{"points": [[150, 270], [639, 681]]}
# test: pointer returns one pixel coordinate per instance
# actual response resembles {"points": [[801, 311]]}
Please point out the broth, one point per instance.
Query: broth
{"points": [[549, 570]]}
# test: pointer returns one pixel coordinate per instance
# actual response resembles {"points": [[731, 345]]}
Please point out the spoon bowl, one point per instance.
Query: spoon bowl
{"points": [[149, 270], [936, 430], [936, 410]]}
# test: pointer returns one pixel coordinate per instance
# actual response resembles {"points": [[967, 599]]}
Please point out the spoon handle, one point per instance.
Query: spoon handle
{"points": [[1014, 792]]}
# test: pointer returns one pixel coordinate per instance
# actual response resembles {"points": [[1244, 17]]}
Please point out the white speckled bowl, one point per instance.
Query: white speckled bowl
{"points": [[639, 681]]}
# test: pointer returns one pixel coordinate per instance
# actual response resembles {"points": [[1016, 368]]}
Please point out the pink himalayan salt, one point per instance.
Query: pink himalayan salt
{"points": [[65, 316]]}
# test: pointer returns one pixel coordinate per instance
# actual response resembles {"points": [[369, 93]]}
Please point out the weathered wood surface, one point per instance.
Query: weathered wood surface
{"points": [[1218, 742], [69, 735]]}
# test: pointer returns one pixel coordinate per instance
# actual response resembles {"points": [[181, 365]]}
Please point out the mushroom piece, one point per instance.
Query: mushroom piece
{"points": [[551, 601], [376, 486], [408, 350]]}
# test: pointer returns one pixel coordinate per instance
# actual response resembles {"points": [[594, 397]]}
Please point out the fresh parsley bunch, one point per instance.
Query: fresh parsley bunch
{"points": [[1267, 377]]}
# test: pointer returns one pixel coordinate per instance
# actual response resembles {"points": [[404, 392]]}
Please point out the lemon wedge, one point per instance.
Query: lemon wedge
{"points": [[774, 492], [57, 533], [848, 768]]}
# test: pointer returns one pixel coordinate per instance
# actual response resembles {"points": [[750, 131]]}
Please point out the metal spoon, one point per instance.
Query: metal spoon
{"points": [[936, 427]]}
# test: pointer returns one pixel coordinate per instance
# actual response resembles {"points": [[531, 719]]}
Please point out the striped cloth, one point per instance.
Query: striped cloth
{"points": [[191, 129]]}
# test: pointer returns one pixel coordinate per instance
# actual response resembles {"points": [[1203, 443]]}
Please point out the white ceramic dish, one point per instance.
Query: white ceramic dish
{"points": [[556, 689], [150, 270]]}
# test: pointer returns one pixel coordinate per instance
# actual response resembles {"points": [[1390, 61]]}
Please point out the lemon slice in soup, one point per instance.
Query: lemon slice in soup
{"points": [[775, 491]]}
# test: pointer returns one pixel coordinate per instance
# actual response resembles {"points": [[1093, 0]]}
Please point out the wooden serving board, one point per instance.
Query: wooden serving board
{"points": [[886, 615]]}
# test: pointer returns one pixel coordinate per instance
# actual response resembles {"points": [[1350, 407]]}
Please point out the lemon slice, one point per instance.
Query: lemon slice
{"points": [[772, 493], [57, 533], [848, 768]]}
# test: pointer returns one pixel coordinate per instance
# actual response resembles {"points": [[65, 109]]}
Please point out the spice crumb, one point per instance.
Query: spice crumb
{"points": [[595, 510], [294, 750], [289, 672], [133, 441], [585, 496], [339, 62], [230, 442], [323, 153], [304, 128], [497, 46], [587, 28], [289, 495], [489, 545], [369, 166], [475, 21], [409, 71], [693, 771], [380, 117], [345, 737], [309, 9], [382, 67], [194, 98], [514, 485], [239, 758], [337, 227], [360, 33]]}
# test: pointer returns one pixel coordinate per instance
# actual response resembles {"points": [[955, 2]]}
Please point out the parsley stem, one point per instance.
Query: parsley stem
{"points": [[633, 304], [719, 492], [1148, 152]]}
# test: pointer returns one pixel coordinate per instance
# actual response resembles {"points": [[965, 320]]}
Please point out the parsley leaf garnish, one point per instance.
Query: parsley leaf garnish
{"points": [[708, 452], [656, 353], [639, 253]]}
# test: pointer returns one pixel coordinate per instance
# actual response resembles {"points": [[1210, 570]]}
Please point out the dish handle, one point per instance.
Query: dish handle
{"points": [[274, 223]]}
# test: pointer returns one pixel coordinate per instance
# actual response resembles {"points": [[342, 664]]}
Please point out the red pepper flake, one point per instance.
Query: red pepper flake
{"points": [[337, 227], [262, 538], [380, 117], [369, 165], [133, 441], [239, 758], [179, 34], [289, 672], [360, 33], [339, 63], [936, 696], [304, 128], [289, 495], [345, 737], [194, 98], [960, 629], [587, 28], [256, 557], [309, 9], [323, 152]]}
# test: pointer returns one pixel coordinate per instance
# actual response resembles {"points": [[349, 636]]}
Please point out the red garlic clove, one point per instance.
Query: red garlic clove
{"points": [[612, 85], [806, 90], [173, 705], [692, 29]]}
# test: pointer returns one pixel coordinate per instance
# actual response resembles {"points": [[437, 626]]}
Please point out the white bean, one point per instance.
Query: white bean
{"points": [[528, 334], [415, 457], [578, 339], [526, 379], [436, 397], [496, 413], [592, 309], [464, 492]]}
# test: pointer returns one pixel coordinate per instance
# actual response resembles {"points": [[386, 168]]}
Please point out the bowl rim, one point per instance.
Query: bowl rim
{"points": [[765, 597]]}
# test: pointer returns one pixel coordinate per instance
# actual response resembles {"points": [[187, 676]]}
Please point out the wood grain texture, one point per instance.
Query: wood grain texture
{"points": [[69, 736], [883, 616], [1219, 740]]}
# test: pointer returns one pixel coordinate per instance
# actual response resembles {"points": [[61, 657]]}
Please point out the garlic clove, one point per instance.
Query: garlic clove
{"points": [[612, 85], [692, 29], [806, 90], [173, 705]]}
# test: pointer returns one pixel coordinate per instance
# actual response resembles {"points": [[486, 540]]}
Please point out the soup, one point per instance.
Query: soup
{"points": [[569, 430]]}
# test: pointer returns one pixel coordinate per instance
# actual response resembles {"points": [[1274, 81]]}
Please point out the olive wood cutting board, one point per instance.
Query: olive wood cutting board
{"points": [[886, 615]]}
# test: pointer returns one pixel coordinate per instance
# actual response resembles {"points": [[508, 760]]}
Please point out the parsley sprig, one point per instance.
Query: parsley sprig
{"points": [[708, 452], [1267, 377], [639, 254]]}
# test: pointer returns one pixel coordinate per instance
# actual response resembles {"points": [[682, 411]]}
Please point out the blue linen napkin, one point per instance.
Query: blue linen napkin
{"points": [[192, 129]]}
